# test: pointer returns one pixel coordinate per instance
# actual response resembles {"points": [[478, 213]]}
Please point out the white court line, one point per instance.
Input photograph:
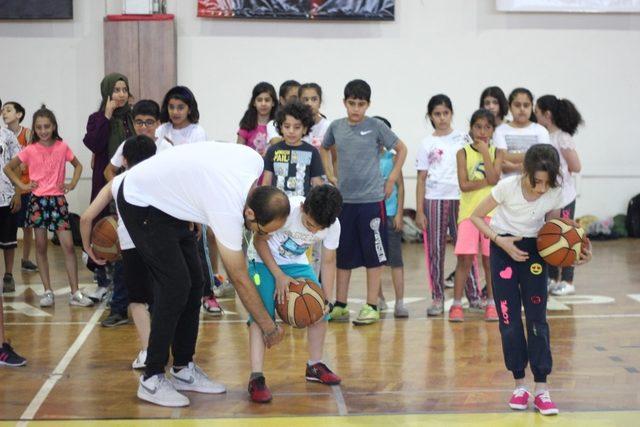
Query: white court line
{"points": [[342, 405], [46, 388]]}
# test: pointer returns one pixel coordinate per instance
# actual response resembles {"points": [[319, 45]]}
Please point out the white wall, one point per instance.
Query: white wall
{"points": [[456, 47]]}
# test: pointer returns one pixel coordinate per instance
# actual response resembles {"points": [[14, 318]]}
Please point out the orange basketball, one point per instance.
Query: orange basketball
{"points": [[305, 305], [104, 238], [560, 242]]}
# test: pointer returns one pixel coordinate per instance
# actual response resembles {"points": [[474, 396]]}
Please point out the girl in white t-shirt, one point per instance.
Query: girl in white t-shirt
{"points": [[519, 273], [179, 117], [518, 135], [561, 118], [438, 190]]}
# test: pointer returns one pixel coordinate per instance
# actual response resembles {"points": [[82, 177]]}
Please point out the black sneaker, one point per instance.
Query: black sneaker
{"points": [[114, 319], [8, 283], [27, 265], [9, 357]]}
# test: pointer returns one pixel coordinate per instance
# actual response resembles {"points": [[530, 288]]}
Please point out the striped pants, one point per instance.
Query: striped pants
{"points": [[442, 215]]}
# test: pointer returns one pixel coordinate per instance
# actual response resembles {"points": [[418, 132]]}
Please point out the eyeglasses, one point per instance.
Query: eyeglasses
{"points": [[144, 123]]}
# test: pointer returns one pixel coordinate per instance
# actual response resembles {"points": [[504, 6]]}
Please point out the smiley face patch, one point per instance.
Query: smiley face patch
{"points": [[536, 269]]}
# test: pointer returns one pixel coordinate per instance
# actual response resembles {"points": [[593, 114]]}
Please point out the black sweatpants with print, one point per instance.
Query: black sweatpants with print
{"points": [[168, 248], [517, 284]]}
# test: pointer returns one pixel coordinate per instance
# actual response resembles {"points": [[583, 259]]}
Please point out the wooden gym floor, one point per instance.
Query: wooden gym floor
{"points": [[401, 372]]}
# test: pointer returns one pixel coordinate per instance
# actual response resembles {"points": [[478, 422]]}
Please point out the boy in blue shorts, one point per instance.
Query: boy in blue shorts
{"points": [[363, 240], [277, 259]]}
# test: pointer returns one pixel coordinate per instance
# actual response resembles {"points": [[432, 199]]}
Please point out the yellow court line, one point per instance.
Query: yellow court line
{"points": [[511, 419]]}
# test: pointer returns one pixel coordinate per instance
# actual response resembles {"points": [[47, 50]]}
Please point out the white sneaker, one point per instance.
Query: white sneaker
{"points": [[46, 300], [552, 285], [80, 300], [99, 294], [160, 391], [192, 378], [563, 289], [141, 360]]}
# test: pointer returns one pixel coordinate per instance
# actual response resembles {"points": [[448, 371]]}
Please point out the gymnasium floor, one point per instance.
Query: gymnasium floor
{"points": [[398, 372]]}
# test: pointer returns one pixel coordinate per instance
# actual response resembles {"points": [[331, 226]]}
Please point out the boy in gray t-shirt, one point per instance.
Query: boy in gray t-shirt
{"points": [[358, 139]]}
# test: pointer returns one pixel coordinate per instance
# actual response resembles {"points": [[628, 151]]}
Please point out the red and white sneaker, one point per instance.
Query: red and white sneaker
{"points": [[490, 313], [211, 305], [456, 314], [321, 374], [519, 399], [258, 390], [545, 405]]}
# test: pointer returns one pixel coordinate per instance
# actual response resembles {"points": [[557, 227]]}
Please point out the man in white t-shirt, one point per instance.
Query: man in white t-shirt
{"points": [[202, 183]]}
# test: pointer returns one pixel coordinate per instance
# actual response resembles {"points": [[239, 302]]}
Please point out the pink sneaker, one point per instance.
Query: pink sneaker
{"points": [[519, 399], [544, 405], [456, 314], [490, 313], [211, 306]]}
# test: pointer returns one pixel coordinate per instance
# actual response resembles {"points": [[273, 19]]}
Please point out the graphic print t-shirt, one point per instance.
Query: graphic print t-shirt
{"points": [[293, 167]]}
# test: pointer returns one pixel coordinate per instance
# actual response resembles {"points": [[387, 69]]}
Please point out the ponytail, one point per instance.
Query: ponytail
{"points": [[563, 113]]}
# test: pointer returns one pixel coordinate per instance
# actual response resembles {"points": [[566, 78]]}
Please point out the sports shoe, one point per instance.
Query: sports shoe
{"points": [[456, 314], [160, 391], [192, 378], [222, 288], [27, 265], [367, 316], [436, 308], [141, 360], [519, 399], [490, 313], [99, 294], [339, 314], [448, 282], [114, 319], [400, 311], [551, 285], [80, 300], [211, 306], [8, 283], [8, 357], [382, 304], [46, 300], [320, 373], [563, 288], [258, 390], [545, 405]]}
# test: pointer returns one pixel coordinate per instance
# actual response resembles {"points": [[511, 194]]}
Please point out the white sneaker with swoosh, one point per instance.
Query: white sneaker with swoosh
{"points": [[192, 378], [160, 391]]}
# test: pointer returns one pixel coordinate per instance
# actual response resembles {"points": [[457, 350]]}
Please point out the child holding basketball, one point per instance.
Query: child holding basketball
{"points": [[561, 118], [519, 273], [136, 276], [277, 259], [261, 109], [438, 191], [479, 166], [48, 210]]}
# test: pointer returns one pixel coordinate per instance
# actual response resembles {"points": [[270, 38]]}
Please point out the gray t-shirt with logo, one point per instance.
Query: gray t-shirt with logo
{"points": [[358, 147]]}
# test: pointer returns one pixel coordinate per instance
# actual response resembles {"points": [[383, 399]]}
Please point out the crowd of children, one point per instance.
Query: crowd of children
{"points": [[488, 188]]}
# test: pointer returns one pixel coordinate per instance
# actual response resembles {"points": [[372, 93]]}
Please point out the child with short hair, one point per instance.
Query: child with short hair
{"points": [[438, 199], [479, 166], [520, 204], [136, 276], [179, 116], [13, 114], [287, 92], [561, 118], [48, 209], [277, 259], [293, 165], [253, 125], [358, 140]]}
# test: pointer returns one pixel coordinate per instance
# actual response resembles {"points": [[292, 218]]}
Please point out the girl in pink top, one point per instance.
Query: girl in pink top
{"points": [[253, 126], [48, 210]]}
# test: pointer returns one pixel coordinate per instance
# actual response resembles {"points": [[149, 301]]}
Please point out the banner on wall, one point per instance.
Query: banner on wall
{"points": [[368, 10], [585, 6]]}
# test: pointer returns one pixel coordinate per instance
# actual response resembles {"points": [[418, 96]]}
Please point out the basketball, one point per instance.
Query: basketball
{"points": [[305, 304], [560, 242], [104, 238]]}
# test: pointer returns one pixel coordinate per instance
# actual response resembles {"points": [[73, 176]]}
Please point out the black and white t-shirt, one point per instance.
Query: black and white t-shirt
{"points": [[293, 167], [9, 148]]}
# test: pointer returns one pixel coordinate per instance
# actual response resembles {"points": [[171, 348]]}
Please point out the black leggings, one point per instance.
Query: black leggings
{"points": [[517, 284]]}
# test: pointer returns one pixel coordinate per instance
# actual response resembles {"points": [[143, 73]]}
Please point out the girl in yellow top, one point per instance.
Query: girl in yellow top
{"points": [[479, 165]]}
